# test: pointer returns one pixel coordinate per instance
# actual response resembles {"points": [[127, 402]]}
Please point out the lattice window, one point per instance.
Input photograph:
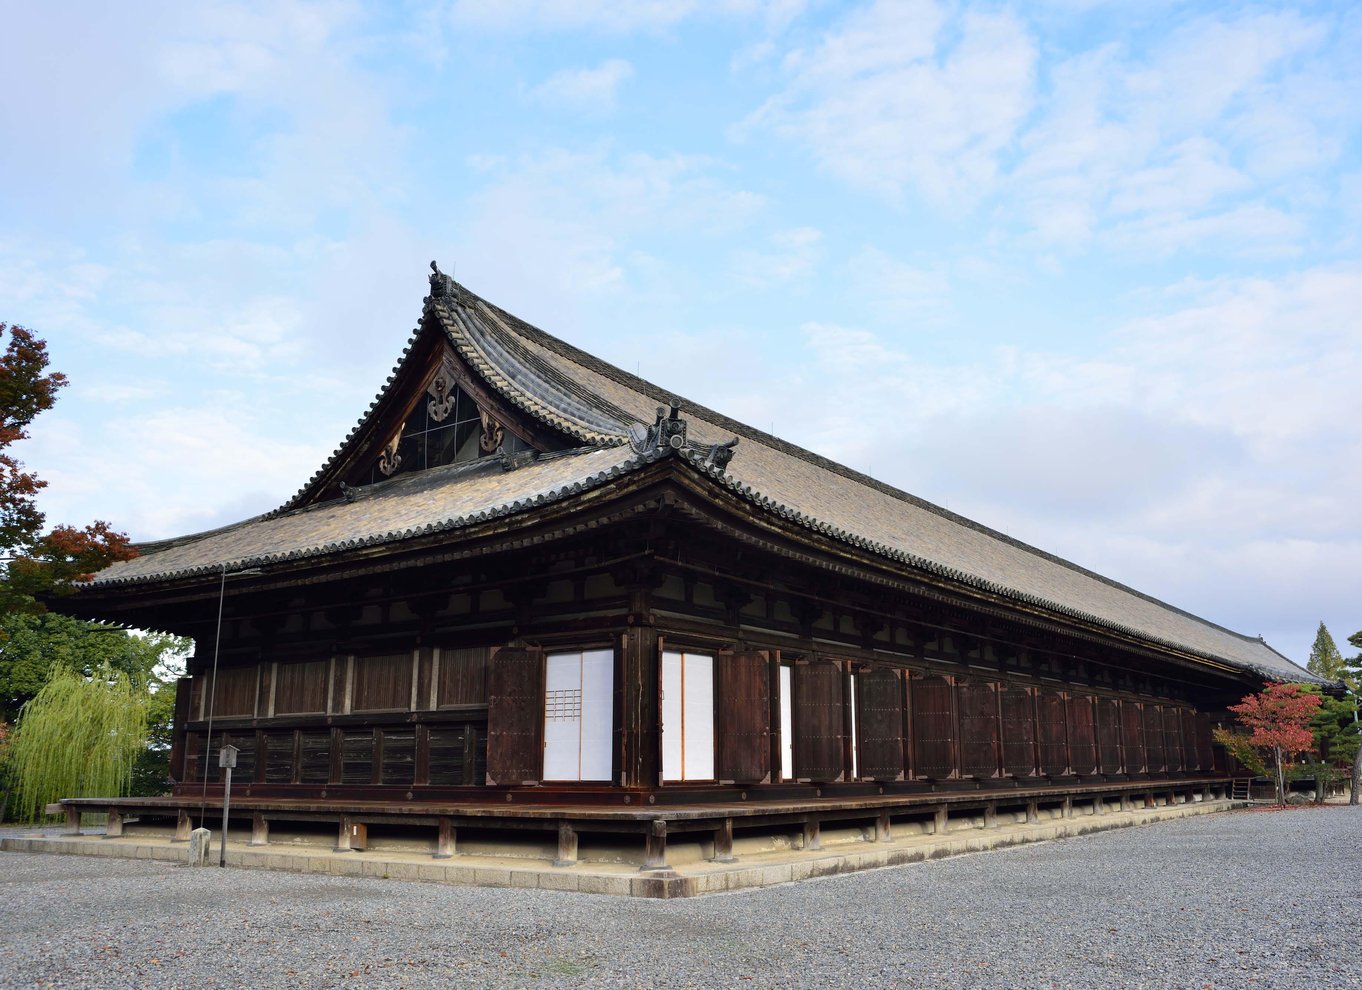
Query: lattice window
{"points": [[563, 706]]}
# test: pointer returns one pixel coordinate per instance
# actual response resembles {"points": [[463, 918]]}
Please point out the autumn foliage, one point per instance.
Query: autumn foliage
{"points": [[1278, 719], [37, 563]]}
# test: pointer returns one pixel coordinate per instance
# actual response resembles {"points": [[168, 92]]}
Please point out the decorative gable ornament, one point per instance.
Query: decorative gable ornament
{"points": [[669, 433]]}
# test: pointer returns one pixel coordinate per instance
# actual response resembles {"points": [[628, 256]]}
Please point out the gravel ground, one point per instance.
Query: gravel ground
{"points": [[1243, 899]]}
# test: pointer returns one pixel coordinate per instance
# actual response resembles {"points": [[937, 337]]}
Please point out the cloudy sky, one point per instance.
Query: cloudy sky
{"points": [[1087, 272]]}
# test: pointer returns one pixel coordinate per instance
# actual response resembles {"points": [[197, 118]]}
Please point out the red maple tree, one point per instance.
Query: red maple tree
{"points": [[1278, 718], [36, 563]]}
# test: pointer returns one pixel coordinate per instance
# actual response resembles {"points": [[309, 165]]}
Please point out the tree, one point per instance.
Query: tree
{"points": [[1351, 675], [1278, 718], [36, 563], [1325, 660], [78, 736]]}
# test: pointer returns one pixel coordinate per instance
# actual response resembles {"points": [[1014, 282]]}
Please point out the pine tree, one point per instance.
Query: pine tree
{"points": [[1325, 660]]}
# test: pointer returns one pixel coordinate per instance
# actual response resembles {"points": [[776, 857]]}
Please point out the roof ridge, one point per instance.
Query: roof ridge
{"points": [[642, 385]]}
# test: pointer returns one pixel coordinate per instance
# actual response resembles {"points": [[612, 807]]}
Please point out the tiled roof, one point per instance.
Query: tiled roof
{"points": [[597, 403]]}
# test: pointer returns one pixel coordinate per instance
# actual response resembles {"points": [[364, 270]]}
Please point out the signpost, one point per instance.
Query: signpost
{"points": [[227, 761]]}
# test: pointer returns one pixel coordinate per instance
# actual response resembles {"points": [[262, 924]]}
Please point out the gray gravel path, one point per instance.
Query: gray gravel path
{"points": [[1242, 899]]}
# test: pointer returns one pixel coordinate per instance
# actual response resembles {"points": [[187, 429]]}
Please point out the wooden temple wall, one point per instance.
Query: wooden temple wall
{"points": [[447, 718]]}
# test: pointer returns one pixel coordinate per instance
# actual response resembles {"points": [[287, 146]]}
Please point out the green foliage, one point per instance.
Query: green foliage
{"points": [[78, 737], [32, 646], [1325, 660], [1335, 729], [1240, 746]]}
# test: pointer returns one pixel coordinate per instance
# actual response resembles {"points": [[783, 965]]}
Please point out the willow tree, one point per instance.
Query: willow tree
{"points": [[80, 736]]}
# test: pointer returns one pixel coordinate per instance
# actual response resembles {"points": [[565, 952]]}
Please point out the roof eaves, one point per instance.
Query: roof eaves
{"points": [[751, 495], [627, 466]]}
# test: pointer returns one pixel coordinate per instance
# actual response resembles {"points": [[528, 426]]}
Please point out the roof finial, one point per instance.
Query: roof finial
{"points": [[440, 283]]}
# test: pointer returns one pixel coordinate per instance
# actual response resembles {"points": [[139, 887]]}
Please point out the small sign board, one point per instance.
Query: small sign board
{"points": [[227, 757]]}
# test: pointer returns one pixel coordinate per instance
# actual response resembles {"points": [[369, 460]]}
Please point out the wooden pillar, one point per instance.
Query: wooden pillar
{"points": [[115, 826], [655, 846], [1068, 806], [723, 842], [567, 845], [991, 815], [343, 835], [260, 830], [446, 841], [1032, 812], [1149, 799], [182, 826], [1125, 802], [941, 823], [1099, 805], [883, 833], [813, 837], [73, 821], [640, 743]]}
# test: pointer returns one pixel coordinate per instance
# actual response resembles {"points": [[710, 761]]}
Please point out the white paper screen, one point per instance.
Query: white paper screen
{"points": [[786, 723], [687, 716], [578, 723]]}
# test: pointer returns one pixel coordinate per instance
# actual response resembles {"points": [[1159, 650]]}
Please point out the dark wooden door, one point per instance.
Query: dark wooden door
{"points": [[879, 722], [744, 743], [1109, 735], [1053, 730], [934, 739], [1153, 738], [818, 725], [1018, 730], [515, 716], [978, 702], [1082, 737]]}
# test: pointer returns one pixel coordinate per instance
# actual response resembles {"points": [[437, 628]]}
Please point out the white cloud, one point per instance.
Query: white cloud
{"points": [[893, 102], [793, 254], [588, 90]]}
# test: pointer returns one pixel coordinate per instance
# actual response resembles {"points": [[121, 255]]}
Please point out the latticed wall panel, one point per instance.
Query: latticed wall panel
{"points": [[1205, 749], [933, 727], [1191, 757]]}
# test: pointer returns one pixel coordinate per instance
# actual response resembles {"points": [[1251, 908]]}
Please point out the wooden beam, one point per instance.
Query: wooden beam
{"points": [[813, 837], [446, 842], [182, 826], [723, 842], [260, 830], [655, 846], [115, 825], [882, 828], [567, 845]]}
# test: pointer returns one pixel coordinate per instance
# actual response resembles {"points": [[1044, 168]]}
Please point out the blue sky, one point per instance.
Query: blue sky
{"points": [[1087, 272]]}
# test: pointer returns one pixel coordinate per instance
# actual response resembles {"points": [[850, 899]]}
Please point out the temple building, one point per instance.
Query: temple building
{"points": [[531, 591]]}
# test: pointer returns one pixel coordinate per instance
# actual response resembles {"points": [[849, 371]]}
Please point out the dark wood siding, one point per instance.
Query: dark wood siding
{"points": [[458, 755], [382, 683], [818, 729], [1205, 749], [235, 694], [743, 750], [1153, 738], [1191, 759], [357, 757], [1172, 738], [300, 688], [879, 723], [934, 739], [314, 751], [978, 701], [399, 756], [246, 744], [1132, 737], [1082, 735], [1052, 726], [184, 690], [1109, 736], [1019, 730], [515, 716], [463, 677], [279, 757]]}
